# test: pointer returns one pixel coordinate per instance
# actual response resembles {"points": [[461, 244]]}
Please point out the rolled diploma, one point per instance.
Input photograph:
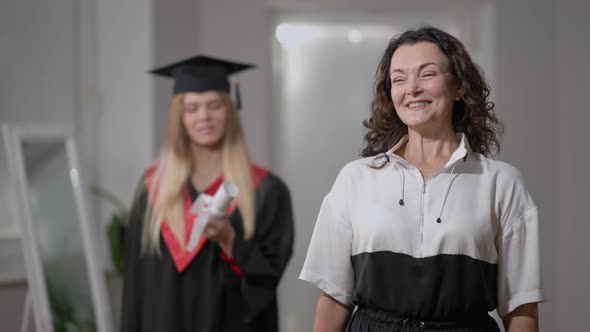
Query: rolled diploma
{"points": [[215, 206]]}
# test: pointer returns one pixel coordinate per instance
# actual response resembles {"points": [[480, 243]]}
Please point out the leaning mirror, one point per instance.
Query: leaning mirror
{"points": [[67, 290]]}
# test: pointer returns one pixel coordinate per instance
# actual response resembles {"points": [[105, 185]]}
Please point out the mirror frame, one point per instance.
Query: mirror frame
{"points": [[14, 135]]}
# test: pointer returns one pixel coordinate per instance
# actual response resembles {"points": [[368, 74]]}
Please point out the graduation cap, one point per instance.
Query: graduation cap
{"points": [[203, 73]]}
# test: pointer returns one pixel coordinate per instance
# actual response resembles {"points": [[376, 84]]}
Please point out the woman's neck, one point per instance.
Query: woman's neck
{"points": [[206, 166], [430, 151]]}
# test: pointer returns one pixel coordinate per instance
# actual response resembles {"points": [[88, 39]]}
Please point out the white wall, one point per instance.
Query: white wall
{"points": [[572, 156], [125, 52], [527, 100], [37, 55]]}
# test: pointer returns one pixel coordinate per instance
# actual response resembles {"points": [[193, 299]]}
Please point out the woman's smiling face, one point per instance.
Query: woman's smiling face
{"points": [[422, 88]]}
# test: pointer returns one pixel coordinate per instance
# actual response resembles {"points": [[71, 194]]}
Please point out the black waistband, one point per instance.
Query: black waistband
{"points": [[481, 322]]}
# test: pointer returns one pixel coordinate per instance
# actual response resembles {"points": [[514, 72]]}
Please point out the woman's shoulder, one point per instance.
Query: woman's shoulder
{"points": [[259, 173], [353, 172], [143, 182], [265, 178], [148, 172], [358, 167], [507, 178], [500, 169]]}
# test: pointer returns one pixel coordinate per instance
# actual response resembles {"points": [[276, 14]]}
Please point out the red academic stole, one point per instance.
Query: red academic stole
{"points": [[181, 257]]}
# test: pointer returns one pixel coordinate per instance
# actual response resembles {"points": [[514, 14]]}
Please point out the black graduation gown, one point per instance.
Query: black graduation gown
{"points": [[208, 296]]}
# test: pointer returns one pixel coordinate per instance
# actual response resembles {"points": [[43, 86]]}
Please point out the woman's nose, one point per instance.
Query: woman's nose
{"points": [[203, 113], [414, 87]]}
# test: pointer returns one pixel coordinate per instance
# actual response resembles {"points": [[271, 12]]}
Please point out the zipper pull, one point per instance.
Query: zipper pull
{"points": [[424, 188]]}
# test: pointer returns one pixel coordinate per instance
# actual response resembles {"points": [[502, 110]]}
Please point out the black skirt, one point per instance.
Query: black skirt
{"points": [[368, 320]]}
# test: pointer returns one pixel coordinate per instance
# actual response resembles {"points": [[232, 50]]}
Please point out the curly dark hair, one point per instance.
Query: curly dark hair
{"points": [[473, 114]]}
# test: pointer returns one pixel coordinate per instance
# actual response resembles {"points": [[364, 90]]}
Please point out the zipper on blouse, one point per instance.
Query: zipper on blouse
{"points": [[422, 219]]}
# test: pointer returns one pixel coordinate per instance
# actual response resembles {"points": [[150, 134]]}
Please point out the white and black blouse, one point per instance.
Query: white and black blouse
{"points": [[461, 244]]}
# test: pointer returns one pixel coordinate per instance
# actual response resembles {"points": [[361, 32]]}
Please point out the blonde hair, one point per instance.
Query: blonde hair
{"points": [[173, 170]]}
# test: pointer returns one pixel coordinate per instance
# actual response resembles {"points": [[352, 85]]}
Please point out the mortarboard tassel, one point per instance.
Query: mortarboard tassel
{"points": [[236, 90], [238, 98]]}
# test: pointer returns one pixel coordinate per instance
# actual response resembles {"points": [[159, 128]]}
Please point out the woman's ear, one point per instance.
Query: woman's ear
{"points": [[460, 94]]}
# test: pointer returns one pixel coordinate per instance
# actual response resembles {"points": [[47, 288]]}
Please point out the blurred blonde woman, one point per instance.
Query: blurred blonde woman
{"points": [[228, 281]]}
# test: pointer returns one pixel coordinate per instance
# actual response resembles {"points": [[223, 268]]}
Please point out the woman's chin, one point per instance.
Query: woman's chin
{"points": [[207, 143], [419, 124]]}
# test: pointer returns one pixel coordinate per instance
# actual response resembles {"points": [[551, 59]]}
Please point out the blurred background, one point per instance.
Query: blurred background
{"points": [[83, 63]]}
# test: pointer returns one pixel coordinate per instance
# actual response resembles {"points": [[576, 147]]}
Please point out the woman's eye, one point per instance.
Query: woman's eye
{"points": [[215, 105], [428, 74], [398, 80]]}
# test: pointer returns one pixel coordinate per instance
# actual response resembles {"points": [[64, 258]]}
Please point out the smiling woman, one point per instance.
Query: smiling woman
{"points": [[427, 231]]}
